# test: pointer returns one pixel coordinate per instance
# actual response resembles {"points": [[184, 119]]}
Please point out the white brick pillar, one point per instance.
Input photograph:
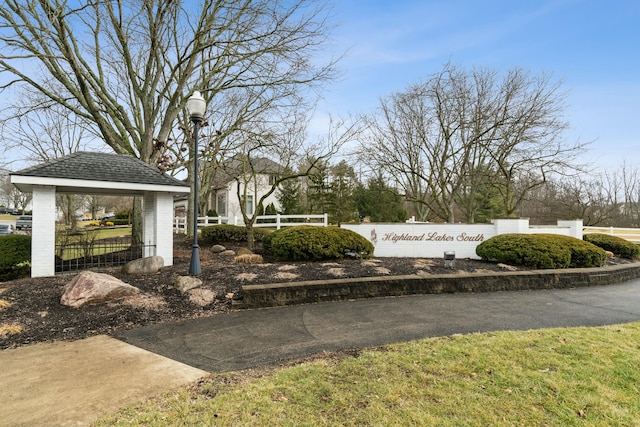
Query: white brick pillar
{"points": [[515, 225], [149, 225], [164, 223], [43, 231], [575, 227], [158, 225]]}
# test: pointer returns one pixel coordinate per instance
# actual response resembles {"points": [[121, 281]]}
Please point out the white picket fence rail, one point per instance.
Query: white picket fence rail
{"points": [[274, 221], [630, 234]]}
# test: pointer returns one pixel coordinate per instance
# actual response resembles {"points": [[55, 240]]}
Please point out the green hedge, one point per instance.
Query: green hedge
{"points": [[583, 254], [541, 251], [315, 243], [15, 256], [620, 247], [223, 233]]}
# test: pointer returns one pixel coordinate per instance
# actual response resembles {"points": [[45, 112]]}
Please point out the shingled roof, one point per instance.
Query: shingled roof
{"points": [[232, 168], [99, 171]]}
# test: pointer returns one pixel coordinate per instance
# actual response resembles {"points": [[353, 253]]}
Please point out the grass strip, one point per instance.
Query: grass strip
{"points": [[569, 376]]}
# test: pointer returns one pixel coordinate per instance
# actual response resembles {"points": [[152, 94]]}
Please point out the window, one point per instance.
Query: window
{"points": [[221, 204], [249, 205]]}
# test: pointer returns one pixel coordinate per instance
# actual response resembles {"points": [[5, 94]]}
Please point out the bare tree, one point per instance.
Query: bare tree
{"points": [[127, 68], [463, 131], [397, 144], [9, 194], [528, 142], [587, 198], [269, 157], [623, 184], [44, 135]]}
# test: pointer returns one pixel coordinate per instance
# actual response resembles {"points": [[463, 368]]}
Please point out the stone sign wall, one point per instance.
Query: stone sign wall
{"points": [[427, 240]]}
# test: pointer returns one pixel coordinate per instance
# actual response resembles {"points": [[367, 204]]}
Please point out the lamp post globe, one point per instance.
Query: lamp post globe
{"points": [[196, 105]]}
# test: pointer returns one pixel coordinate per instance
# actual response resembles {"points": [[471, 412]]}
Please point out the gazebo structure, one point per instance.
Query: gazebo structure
{"points": [[96, 174]]}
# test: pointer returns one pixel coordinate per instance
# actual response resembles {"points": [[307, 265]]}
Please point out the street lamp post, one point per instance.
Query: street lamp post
{"points": [[196, 105]]}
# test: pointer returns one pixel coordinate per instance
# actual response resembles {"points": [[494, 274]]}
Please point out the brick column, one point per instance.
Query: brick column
{"points": [[158, 225], [43, 231], [164, 224]]}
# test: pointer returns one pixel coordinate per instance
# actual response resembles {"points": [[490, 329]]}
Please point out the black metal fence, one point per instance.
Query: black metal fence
{"points": [[99, 254]]}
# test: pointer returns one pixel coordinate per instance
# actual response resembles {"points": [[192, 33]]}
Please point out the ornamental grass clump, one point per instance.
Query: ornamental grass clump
{"points": [[312, 243], [541, 251], [618, 246]]}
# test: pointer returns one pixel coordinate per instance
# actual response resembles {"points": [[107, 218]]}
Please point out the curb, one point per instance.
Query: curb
{"points": [[282, 294]]}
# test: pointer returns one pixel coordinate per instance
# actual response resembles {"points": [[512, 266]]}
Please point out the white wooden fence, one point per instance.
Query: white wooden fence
{"points": [[274, 221], [630, 234]]}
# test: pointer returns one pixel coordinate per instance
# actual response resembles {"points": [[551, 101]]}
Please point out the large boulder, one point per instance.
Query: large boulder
{"points": [[148, 265], [92, 288]]}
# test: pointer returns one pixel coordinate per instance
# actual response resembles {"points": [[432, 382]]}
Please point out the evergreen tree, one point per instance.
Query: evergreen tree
{"points": [[342, 185], [289, 198], [319, 194], [379, 202]]}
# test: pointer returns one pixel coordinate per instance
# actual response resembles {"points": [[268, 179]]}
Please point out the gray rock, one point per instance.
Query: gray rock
{"points": [[93, 288], [228, 254], [216, 249], [147, 265], [186, 283]]}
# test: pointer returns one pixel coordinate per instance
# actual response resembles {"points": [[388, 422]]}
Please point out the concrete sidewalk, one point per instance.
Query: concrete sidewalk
{"points": [[74, 383]]}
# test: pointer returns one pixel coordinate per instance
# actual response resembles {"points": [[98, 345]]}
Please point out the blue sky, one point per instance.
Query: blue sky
{"points": [[593, 46]]}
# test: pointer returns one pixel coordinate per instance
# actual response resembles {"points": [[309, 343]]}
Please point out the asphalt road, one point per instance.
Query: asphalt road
{"points": [[252, 338]]}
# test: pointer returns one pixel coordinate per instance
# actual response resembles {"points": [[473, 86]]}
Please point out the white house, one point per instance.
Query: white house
{"points": [[228, 189]]}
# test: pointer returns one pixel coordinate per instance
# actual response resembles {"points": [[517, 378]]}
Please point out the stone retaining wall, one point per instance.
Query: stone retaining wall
{"points": [[280, 294]]}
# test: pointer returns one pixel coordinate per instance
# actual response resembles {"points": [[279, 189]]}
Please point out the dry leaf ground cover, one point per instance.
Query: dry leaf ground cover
{"points": [[30, 309]]}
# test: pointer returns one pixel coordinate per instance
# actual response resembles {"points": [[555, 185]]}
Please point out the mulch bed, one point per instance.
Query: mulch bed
{"points": [[35, 303]]}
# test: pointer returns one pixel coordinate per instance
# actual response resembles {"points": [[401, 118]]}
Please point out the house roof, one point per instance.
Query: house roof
{"points": [[232, 168], [97, 173]]}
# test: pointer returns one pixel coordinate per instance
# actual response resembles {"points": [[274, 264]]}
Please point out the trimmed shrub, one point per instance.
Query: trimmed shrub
{"points": [[222, 233], [125, 214], [541, 251], [312, 243], [583, 254], [620, 247], [524, 249], [15, 256], [266, 240]]}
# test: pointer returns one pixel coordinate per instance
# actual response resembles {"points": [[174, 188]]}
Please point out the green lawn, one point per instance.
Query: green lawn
{"points": [[568, 377], [93, 235]]}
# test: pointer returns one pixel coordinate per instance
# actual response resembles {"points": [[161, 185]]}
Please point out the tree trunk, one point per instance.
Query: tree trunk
{"points": [[251, 238], [136, 221]]}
